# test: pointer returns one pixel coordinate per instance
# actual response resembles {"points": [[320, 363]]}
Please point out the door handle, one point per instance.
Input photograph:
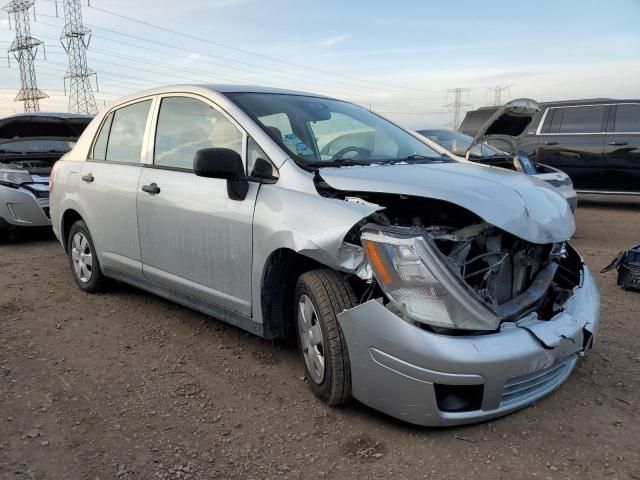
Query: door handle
{"points": [[617, 143], [151, 189], [550, 143], [87, 178]]}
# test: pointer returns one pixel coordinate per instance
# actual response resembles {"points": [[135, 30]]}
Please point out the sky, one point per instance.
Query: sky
{"points": [[399, 58]]}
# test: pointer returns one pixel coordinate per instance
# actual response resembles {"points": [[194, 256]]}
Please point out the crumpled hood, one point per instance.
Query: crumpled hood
{"points": [[519, 204]]}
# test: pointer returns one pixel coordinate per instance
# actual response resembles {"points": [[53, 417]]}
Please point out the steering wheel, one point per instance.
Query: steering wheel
{"points": [[362, 153]]}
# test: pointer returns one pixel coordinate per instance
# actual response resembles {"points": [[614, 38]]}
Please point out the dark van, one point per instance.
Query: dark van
{"points": [[596, 142]]}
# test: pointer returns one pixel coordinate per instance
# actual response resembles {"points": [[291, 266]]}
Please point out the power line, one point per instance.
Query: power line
{"points": [[24, 49], [267, 71], [457, 105], [234, 68], [75, 40], [248, 52], [144, 83]]}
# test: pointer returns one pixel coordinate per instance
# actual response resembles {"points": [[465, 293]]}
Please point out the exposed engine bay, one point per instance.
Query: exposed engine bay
{"points": [[512, 277], [35, 166]]}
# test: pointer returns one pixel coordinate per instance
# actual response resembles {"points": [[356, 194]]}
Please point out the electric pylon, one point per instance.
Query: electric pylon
{"points": [[75, 39], [24, 49], [456, 105]]}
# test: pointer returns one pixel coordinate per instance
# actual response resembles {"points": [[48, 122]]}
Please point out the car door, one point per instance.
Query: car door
{"points": [[622, 148], [572, 140], [109, 186], [194, 239]]}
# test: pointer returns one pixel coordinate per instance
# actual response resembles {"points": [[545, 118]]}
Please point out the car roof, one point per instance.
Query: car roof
{"points": [[216, 88], [558, 103]]}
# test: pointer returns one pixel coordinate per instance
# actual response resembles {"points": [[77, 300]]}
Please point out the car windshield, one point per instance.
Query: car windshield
{"points": [[458, 143], [320, 132], [36, 146]]}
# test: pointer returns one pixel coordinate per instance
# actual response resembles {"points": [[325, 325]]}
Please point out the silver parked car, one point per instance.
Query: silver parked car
{"points": [[437, 291], [30, 143]]}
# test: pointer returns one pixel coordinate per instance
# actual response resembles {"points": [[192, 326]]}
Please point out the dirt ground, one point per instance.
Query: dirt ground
{"points": [[129, 386]]}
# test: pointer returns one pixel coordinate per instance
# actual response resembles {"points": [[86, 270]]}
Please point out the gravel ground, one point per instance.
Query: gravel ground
{"points": [[126, 385]]}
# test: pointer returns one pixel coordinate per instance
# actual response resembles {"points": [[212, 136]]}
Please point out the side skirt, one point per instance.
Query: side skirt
{"points": [[216, 311]]}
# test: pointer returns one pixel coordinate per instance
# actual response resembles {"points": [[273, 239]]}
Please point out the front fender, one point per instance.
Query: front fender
{"points": [[301, 220]]}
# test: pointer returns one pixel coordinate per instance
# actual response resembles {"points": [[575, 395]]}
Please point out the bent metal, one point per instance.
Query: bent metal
{"points": [[437, 291]]}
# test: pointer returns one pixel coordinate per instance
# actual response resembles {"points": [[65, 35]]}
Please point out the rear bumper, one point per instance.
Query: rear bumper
{"points": [[19, 207], [398, 368]]}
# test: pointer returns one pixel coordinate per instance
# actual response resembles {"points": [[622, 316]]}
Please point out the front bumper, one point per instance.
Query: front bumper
{"points": [[24, 207], [397, 368]]}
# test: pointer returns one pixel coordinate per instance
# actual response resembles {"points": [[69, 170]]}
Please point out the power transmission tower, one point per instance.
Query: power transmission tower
{"points": [[75, 40], [497, 93], [24, 49], [457, 105]]}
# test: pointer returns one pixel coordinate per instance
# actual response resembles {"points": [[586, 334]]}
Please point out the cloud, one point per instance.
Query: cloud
{"points": [[331, 41]]}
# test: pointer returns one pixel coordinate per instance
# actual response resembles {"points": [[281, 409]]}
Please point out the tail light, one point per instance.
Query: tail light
{"points": [[52, 177]]}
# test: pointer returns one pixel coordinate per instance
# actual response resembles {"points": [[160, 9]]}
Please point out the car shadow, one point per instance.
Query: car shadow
{"points": [[609, 201], [27, 235]]}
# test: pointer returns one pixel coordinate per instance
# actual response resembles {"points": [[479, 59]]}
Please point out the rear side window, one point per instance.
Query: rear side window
{"points": [[123, 133], [552, 120], [186, 125], [100, 147], [586, 119], [627, 118]]}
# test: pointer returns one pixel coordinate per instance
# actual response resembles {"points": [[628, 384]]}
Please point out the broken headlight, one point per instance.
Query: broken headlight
{"points": [[420, 285], [14, 177]]}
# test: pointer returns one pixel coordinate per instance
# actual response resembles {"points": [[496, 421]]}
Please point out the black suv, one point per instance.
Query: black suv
{"points": [[596, 142]]}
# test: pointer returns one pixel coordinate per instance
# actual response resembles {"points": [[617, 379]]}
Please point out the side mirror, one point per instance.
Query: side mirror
{"points": [[223, 163]]}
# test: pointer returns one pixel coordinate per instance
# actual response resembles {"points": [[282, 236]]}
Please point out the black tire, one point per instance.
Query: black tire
{"points": [[95, 283], [330, 294]]}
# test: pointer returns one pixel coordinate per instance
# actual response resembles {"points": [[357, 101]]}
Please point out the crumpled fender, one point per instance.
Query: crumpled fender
{"points": [[293, 215]]}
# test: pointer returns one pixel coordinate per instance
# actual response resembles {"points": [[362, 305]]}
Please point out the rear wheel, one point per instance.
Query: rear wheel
{"points": [[320, 296], [83, 259]]}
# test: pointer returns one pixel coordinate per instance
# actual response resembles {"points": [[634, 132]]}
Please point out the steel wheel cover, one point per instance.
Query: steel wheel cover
{"points": [[311, 339], [82, 257]]}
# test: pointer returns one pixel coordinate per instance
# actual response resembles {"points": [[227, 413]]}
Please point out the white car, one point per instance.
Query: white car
{"points": [[456, 144]]}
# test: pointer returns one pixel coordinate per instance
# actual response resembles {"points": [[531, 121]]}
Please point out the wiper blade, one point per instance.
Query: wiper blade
{"points": [[413, 159], [350, 162], [338, 162]]}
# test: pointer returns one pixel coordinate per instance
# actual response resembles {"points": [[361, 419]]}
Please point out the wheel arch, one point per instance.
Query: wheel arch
{"points": [[281, 271], [69, 217]]}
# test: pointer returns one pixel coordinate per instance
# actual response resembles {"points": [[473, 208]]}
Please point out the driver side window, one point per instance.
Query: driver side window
{"points": [[186, 125]]}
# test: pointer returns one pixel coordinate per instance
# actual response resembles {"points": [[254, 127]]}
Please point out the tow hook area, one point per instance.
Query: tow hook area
{"points": [[587, 341]]}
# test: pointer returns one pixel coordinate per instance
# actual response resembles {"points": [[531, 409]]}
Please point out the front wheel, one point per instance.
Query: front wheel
{"points": [[320, 296], [83, 259]]}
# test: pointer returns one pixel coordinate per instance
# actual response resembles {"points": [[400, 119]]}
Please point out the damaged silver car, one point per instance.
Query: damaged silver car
{"points": [[439, 292]]}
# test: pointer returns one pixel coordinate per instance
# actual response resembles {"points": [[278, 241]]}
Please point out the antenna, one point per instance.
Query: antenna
{"points": [[456, 105], [24, 49], [75, 39]]}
